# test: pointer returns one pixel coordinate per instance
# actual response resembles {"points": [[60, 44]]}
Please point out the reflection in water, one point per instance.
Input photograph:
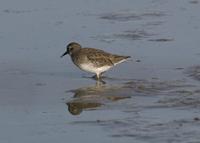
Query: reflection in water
{"points": [[91, 97], [75, 107]]}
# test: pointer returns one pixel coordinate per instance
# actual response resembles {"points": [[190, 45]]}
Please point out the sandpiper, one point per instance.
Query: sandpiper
{"points": [[93, 60]]}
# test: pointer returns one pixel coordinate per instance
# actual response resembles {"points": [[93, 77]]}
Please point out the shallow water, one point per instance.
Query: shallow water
{"points": [[155, 97]]}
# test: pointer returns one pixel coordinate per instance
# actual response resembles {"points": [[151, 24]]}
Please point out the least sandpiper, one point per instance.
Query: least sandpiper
{"points": [[93, 60]]}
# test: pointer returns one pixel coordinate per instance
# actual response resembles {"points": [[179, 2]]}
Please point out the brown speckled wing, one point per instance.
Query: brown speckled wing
{"points": [[99, 57]]}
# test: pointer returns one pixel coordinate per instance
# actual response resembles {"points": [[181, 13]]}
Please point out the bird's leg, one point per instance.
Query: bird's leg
{"points": [[97, 76]]}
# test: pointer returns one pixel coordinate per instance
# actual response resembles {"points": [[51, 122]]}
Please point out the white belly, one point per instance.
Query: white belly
{"points": [[92, 69]]}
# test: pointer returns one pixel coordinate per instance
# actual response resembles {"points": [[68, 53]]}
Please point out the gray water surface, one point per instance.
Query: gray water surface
{"points": [[154, 97]]}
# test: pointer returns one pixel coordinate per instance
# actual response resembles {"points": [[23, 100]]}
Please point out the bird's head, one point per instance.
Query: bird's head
{"points": [[71, 48]]}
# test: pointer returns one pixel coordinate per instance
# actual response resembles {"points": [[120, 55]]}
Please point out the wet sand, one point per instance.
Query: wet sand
{"points": [[155, 97]]}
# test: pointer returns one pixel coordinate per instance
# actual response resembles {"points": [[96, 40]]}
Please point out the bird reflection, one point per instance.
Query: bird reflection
{"points": [[92, 97]]}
